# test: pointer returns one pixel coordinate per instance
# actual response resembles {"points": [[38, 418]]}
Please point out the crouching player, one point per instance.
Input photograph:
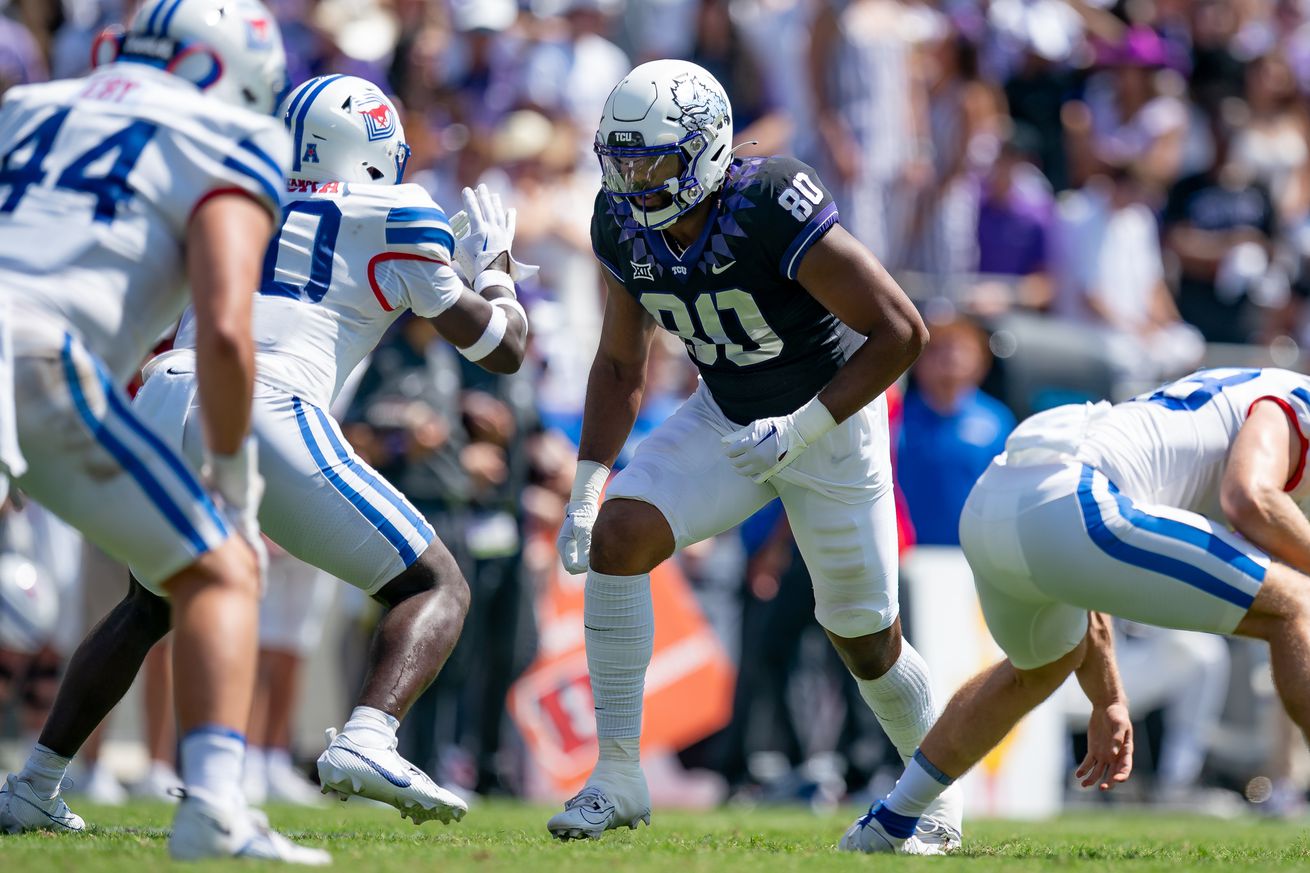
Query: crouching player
{"points": [[355, 250], [1125, 510]]}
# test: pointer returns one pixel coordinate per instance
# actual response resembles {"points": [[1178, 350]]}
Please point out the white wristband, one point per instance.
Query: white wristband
{"points": [[491, 337], [588, 481], [492, 277], [813, 420], [511, 303]]}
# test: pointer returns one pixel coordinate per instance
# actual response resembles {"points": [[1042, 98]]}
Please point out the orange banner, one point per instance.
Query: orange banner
{"points": [[688, 686]]}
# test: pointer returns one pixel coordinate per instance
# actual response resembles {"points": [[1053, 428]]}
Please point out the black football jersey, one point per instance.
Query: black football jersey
{"points": [[763, 345]]}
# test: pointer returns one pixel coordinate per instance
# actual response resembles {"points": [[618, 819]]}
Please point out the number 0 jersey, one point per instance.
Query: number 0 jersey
{"points": [[346, 262], [762, 343], [1170, 447], [99, 178]]}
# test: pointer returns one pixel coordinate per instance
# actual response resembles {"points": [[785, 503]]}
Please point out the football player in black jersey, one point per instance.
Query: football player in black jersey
{"points": [[797, 331]]}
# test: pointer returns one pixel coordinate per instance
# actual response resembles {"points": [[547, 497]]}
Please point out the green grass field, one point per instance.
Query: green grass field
{"points": [[506, 836]]}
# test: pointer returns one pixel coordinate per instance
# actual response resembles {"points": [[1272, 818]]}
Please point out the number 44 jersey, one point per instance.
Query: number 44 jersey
{"points": [[762, 343], [347, 261], [99, 178]]}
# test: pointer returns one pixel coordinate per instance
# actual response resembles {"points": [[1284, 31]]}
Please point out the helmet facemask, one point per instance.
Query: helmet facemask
{"points": [[659, 183]]}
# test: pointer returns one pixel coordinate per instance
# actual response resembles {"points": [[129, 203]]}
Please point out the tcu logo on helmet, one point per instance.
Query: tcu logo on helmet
{"points": [[379, 120]]}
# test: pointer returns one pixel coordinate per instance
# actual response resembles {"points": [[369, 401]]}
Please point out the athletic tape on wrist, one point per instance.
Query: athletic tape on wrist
{"points": [[492, 277], [588, 481], [491, 337], [511, 303]]}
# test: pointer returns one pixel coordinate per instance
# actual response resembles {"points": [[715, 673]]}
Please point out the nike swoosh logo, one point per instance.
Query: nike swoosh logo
{"points": [[398, 781], [56, 819], [773, 429], [719, 268]]}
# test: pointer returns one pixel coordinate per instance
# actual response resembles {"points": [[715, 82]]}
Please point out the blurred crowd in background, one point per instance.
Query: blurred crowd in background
{"points": [[1085, 199]]}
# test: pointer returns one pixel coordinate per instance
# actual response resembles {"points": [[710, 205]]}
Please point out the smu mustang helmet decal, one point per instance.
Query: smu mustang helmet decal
{"points": [[379, 120]]}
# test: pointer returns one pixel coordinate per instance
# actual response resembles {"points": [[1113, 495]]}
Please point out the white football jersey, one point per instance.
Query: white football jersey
{"points": [[348, 260], [98, 179], [1171, 446]]}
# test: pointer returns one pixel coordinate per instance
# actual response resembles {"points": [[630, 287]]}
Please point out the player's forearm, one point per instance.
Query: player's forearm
{"points": [[225, 375], [1272, 521], [469, 323], [225, 246], [1099, 674], [614, 392], [874, 367]]}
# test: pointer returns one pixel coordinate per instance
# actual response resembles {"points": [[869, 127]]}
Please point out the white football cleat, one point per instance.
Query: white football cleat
{"points": [[22, 809], [204, 829], [867, 835], [940, 836], [601, 806], [346, 768], [942, 823]]}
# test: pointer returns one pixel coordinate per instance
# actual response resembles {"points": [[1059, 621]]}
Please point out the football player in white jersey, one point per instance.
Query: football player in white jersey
{"points": [[1184, 508], [356, 249], [159, 169]]}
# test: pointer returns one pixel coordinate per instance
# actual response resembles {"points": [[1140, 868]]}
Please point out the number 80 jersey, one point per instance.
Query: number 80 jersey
{"points": [[762, 343], [99, 178]]}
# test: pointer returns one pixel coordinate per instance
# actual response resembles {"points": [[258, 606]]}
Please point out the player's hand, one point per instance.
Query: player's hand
{"points": [[483, 231], [240, 488], [1109, 758], [574, 543], [764, 447]]}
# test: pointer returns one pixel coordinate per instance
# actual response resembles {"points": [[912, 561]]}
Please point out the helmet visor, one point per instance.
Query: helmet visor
{"points": [[649, 176]]}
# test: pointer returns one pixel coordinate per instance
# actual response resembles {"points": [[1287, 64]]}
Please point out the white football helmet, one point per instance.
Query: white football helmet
{"points": [[665, 140], [344, 129], [230, 49]]}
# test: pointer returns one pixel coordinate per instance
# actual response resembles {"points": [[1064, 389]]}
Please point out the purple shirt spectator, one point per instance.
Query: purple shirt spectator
{"points": [[1012, 235]]}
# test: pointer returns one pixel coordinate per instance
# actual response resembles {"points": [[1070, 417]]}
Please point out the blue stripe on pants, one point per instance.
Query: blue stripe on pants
{"points": [[129, 462], [1165, 565], [359, 501], [425, 531]]}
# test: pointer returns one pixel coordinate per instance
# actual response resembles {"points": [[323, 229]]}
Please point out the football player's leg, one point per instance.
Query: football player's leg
{"points": [[94, 464], [103, 668], [324, 505], [1280, 615], [851, 554], [676, 491], [1043, 641]]}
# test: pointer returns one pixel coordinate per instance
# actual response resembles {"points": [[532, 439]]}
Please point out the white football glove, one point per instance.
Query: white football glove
{"points": [[484, 230], [763, 447], [574, 543], [236, 480]]}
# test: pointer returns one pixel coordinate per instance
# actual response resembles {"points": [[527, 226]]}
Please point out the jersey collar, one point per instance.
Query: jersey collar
{"points": [[659, 244]]}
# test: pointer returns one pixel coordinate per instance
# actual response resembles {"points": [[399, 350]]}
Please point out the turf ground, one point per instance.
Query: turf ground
{"points": [[507, 836]]}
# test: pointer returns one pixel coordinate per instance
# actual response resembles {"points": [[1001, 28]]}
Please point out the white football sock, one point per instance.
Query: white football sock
{"points": [[902, 700], [44, 770], [920, 785], [213, 758], [620, 631], [371, 727]]}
